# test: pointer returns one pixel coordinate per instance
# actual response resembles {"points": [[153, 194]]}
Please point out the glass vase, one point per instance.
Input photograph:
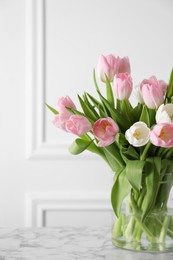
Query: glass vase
{"points": [[152, 233]]}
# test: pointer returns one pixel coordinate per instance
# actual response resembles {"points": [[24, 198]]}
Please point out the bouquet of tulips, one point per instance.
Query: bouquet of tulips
{"points": [[135, 141]]}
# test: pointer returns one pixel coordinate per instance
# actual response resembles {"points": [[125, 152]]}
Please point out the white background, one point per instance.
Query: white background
{"points": [[76, 33]]}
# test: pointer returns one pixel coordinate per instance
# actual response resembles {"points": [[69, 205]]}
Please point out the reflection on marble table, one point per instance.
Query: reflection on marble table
{"points": [[66, 243]]}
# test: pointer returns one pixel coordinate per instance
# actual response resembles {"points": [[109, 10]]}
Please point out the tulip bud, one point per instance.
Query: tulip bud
{"points": [[107, 65], [138, 95], [64, 102], [153, 92], [124, 65], [123, 85], [60, 120]]}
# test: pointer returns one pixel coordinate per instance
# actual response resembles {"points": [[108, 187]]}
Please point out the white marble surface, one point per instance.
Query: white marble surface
{"points": [[66, 243]]}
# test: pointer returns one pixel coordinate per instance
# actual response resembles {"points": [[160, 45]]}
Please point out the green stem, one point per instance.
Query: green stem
{"points": [[146, 230], [169, 229], [137, 232], [109, 92], [95, 81], [164, 229], [141, 224], [117, 228], [144, 153], [128, 234]]}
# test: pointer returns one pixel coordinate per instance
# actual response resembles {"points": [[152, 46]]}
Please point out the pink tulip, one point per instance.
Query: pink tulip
{"points": [[153, 91], [107, 65], [124, 65], [78, 125], [60, 121], [64, 102], [163, 86], [105, 130], [162, 135], [123, 85]]}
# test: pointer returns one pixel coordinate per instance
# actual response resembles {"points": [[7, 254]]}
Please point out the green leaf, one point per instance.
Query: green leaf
{"points": [[54, 111], [169, 153], [163, 193], [74, 111], [100, 107], [114, 165], [136, 112], [87, 111], [106, 112], [79, 145], [90, 106], [116, 116], [113, 156], [85, 142], [166, 182], [109, 92], [170, 86], [126, 111], [121, 140], [152, 116], [121, 188], [134, 171], [145, 116], [127, 151], [152, 179], [130, 153], [113, 152], [103, 113], [94, 100]]}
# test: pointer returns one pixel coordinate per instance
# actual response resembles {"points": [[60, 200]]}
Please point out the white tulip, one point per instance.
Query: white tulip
{"points": [[164, 114], [137, 93], [138, 134]]}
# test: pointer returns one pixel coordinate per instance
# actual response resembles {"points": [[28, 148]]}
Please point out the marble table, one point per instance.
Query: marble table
{"points": [[66, 243]]}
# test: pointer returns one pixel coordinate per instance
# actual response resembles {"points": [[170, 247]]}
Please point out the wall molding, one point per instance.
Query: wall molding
{"points": [[36, 145], [35, 77], [37, 203]]}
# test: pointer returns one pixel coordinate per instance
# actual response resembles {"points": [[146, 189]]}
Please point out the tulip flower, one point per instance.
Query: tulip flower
{"points": [[107, 65], [163, 86], [162, 135], [64, 102], [153, 91], [78, 125], [123, 85], [138, 134], [138, 95], [60, 120], [124, 65], [164, 114], [105, 130]]}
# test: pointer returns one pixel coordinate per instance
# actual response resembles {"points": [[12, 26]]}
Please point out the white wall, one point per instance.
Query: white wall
{"points": [[76, 32]]}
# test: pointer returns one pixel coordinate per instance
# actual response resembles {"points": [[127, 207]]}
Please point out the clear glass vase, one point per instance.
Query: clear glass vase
{"points": [[154, 232]]}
